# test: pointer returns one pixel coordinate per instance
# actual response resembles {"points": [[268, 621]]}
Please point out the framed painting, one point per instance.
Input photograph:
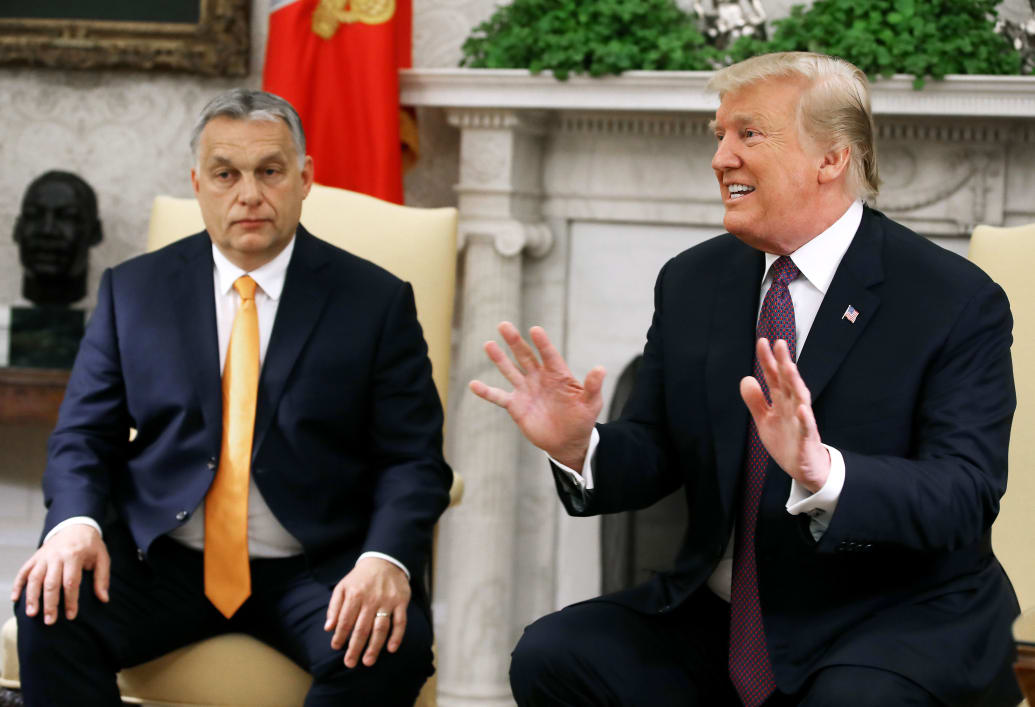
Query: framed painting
{"points": [[209, 37]]}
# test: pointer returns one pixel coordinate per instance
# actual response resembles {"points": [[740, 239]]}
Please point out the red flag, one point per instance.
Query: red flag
{"points": [[337, 62]]}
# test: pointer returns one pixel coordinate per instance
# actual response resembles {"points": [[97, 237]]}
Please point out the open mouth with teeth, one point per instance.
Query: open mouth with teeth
{"points": [[738, 191]]}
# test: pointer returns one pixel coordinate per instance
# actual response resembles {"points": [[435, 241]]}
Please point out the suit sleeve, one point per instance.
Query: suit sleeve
{"points": [[92, 432], [946, 494], [413, 479]]}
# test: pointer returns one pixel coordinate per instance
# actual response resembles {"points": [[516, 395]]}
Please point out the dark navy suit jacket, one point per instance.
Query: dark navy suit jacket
{"points": [[347, 446], [917, 394]]}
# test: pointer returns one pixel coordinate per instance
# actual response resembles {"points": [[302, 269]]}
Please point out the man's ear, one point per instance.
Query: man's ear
{"points": [[194, 181], [93, 233], [307, 175], [835, 164]]}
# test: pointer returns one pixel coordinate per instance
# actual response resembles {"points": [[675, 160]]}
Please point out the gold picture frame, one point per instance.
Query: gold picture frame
{"points": [[217, 45]]}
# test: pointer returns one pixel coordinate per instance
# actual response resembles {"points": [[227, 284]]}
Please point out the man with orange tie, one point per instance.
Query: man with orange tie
{"points": [[287, 468]]}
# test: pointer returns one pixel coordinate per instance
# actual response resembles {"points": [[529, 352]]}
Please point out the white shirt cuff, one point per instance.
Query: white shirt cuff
{"points": [[74, 520], [583, 480], [819, 506], [387, 558]]}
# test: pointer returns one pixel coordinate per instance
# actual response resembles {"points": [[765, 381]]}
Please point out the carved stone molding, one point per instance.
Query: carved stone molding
{"points": [[509, 237], [662, 125], [686, 91], [531, 122]]}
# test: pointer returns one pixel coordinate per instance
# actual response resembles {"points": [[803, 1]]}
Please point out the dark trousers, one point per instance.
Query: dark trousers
{"points": [[158, 605], [601, 654]]}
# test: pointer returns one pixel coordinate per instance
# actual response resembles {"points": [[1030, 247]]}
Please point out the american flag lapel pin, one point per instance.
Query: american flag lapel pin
{"points": [[851, 314]]}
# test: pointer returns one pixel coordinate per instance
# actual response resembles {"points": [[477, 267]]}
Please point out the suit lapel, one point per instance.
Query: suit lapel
{"points": [[194, 306], [730, 356], [301, 305], [832, 335]]}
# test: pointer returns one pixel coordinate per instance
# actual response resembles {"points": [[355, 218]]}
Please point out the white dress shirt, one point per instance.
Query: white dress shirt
{"points": [[817, 261], [266, 536]]}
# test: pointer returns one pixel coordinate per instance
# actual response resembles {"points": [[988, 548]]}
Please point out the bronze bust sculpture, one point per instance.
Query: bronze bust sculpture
{"points": [[56, 227]]}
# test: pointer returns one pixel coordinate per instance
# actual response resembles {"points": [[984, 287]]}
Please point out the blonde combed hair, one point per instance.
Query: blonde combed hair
{"points": [[834, 110]]}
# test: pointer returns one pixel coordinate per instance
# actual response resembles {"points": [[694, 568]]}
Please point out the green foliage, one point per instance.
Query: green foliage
{"points": [[883, 37], [596, 37]]}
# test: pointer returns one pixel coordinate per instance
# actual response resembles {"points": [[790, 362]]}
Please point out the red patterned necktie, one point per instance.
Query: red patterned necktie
{"points": [[750, 668]]}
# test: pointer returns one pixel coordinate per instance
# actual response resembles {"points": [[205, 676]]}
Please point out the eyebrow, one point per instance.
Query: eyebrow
{"points": [[277, 156], [740, 119]]}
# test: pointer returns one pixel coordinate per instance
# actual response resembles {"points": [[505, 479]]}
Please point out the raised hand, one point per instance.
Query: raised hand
{"points": [[552, 408], [786, 427]]}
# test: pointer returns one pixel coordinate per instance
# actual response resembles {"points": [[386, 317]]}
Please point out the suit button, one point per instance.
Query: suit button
{"points": [[258, 471], [140, 554], [665, 608], [212, 463], [182, 516]]}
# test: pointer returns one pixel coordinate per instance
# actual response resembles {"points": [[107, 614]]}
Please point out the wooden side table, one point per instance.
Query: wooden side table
{"points": [[31, 395], [1024, 635]]}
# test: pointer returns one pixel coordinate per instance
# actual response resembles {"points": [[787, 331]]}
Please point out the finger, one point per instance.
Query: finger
{"points": [[360, 634], [52, 591], [102, 575], [22, 577], [519, 347], [752, 395], [767, 362], [346, 622], [787, 370], [398, 628], [547, 351], [493, 395], [594, 382], [337, 597], [377, 639], [71, 575], [504, 364], [793, 382]]}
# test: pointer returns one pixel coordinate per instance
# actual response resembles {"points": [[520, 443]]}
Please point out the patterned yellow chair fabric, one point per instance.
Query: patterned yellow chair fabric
{"points": [[417, 245]]}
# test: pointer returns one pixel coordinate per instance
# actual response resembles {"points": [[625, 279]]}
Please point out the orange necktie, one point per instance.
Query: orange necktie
{"points": [[228, 579]]}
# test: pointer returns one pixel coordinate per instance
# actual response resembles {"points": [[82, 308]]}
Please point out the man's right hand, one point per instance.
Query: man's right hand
{"points": [[552, 408], [58, 566]]}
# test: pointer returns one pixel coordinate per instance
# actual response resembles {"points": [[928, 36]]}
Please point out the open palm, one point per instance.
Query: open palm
{"points": [[551, 407]]}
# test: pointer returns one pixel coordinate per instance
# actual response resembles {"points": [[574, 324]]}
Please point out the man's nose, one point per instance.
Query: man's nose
{"points": [[725, 156], [248, 191], [48, 221]]}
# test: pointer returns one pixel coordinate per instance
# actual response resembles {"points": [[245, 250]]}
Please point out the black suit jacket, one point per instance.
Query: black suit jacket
{"points": [[917, 394], [347, 445]]}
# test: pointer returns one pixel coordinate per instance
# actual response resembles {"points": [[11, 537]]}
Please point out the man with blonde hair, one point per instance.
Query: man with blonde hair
{"points": [[834, 394]]}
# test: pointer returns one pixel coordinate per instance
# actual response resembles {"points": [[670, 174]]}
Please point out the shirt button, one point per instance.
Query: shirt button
{"points": [[181, 516], [140, 554]]}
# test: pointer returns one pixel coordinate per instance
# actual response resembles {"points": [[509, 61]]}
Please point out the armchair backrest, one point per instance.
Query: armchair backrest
{"points": [[417, 245], [1008, 256]]}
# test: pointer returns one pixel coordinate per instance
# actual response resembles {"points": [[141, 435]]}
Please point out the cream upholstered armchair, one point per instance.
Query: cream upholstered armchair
{"points": [[1008, 256], [417, 245]]}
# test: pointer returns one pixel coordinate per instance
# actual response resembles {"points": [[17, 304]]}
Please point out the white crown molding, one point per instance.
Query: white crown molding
{"points": [[686, 91]]}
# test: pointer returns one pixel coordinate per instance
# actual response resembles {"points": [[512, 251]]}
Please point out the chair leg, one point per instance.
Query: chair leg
{"points": [[10, 698]]}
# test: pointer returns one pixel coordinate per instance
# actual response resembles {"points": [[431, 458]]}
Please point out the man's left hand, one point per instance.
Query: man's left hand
{"points": [[373, 586], [786, 427]]}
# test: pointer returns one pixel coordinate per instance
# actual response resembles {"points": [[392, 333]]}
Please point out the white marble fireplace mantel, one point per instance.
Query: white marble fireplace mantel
{"points": [[685, 91], [572, 194]]}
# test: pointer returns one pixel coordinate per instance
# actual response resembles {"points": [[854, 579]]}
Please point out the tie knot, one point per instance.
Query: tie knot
{"points": [[245, 287], [784, 271]]}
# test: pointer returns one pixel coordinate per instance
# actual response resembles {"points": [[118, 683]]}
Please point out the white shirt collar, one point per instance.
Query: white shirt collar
{"points": [[269, 277], [818, 259]]}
